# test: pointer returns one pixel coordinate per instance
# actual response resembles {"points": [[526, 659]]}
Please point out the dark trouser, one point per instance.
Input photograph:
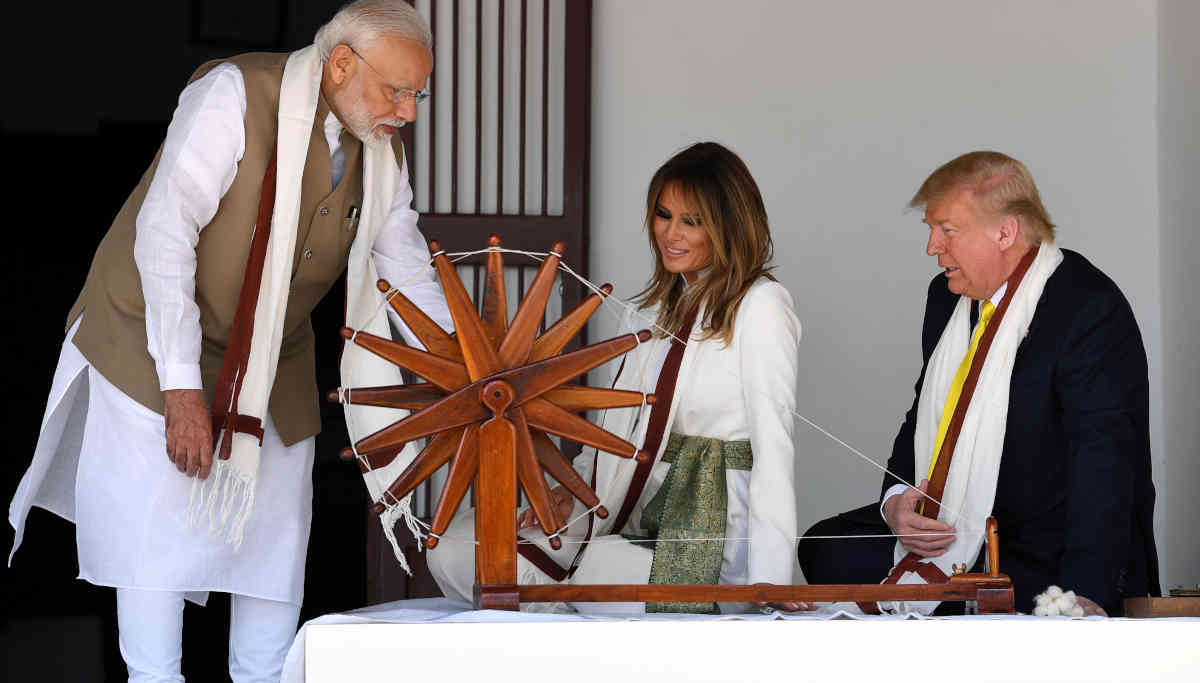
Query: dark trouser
{"points": [[854, 560], [865, 560]]}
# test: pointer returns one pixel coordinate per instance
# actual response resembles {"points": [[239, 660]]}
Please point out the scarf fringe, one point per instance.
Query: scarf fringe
{"points": [[224, 500], [392, 516]]}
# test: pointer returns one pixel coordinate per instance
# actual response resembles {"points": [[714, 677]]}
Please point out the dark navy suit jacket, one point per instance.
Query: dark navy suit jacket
{"points": [[1074, 501]]}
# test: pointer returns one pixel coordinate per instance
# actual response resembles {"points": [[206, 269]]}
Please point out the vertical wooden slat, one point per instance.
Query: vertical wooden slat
{"points": [[454, 31], [521, 155], [545, 103], [500, 116], [433, 119], [478, 102]]}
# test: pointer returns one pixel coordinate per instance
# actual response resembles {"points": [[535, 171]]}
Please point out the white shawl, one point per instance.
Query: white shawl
{"points": [[971, 482], [230, 487]]}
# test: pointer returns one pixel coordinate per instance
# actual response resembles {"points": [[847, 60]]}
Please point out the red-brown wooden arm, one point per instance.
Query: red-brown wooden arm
{"points": [[478, 353], [431, 334], [463, 468], [517, 343], [532, 481], [460, 408], [554, 462], [434, 455], [442, 373], [560, 333], [537, 378], [577, 399], [544, 415], [495, 298], [403, 396]]}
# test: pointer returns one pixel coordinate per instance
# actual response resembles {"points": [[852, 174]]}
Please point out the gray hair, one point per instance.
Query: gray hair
{"points": [[359, 23]]}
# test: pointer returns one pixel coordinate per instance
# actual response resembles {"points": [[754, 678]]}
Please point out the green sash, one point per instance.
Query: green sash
{"points": [[692, 503]]}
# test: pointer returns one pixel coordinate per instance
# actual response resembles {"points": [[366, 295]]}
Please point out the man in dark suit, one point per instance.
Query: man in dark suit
{"points": [[1074, 498]]}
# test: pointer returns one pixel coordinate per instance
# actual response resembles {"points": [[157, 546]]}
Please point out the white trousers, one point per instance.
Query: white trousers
{"points": [[150, 625]]}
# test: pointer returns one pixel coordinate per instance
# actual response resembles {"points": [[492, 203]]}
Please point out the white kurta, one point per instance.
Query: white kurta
{"points": [[100, 459], [743, 391]]}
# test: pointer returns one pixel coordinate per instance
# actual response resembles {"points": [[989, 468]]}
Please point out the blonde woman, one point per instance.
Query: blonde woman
{"points": [[721, 428]]}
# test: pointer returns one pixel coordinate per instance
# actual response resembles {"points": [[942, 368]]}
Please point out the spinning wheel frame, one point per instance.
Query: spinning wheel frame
{"points": [[491, 397]]}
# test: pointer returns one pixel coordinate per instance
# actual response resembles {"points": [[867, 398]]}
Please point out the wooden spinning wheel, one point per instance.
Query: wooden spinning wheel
{"points": [[493, 394], [491, 398]]}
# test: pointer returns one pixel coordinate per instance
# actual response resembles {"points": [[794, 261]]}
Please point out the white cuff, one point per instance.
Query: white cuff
{"points": [[178, 376], [895, 490]]}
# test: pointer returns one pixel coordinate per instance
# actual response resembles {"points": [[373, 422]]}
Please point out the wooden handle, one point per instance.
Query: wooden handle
{"points": [[993, 547]]}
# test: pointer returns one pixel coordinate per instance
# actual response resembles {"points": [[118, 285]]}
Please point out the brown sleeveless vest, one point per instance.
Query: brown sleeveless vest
{"points": [[112, 335]]}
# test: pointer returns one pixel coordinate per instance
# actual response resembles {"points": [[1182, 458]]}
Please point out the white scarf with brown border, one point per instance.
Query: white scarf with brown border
{"points": [[226, 498], [971, 482]]}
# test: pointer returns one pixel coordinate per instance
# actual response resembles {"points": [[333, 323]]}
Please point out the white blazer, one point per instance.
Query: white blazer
{"points": [[743, 391]]}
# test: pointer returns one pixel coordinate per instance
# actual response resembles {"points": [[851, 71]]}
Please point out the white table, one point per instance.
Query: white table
{"points": [[441, 640]]}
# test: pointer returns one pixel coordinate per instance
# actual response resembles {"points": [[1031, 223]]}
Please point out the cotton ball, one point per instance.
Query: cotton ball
{"points": [[1052, 610], [1054, 592], [1043, 600], [1070, 595], [1064, 604], [1040, 611], [1077, 611]]}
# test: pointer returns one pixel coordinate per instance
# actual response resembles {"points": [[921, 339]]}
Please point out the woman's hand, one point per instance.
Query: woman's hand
{"points": [[790, 606], [562, 501]]}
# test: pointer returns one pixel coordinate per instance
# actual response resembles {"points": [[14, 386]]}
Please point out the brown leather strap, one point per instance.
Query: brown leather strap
{"points": [[911, 562], [664, 396], [542, 560], [937, 480], [237, 353]]}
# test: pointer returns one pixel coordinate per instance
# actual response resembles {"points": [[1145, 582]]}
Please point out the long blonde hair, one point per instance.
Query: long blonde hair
{"points": [[717, 183]]}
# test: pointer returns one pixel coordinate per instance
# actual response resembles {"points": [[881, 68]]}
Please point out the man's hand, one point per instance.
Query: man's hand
{"points": [[562, 501], [901, 514], [189, 431], [1090, 608]]}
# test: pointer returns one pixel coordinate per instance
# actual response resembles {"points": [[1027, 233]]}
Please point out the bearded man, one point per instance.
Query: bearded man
{"points": [[278, 173], [1032, 406]]}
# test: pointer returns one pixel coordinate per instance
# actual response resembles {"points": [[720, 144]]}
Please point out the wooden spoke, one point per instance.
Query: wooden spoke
{"points": [[537, 378], [561, 332], [434, 455], [381, 457], [478, 353], [444, 374], [577, 399], [532, 481], [519, 340], [495, 300], [548, 417], [456, 410], [463, 468], [435, 339], [405, 396], [554, 462]]}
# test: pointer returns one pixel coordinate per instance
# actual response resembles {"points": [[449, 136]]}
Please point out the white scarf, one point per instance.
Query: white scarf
{"points": [[971, 482], [229, 490]]}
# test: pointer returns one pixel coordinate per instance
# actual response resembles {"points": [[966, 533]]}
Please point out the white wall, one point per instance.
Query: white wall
{"points": [[1179, 169], [841, 110]]}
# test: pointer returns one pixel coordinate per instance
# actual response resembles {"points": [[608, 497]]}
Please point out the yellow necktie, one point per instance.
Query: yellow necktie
{"points": [[960, 377]]}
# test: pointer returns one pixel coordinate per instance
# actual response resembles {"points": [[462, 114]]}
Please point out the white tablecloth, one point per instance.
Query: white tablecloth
{"points": [[439, 639]]}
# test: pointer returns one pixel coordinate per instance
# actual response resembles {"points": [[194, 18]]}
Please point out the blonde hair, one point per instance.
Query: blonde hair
{"points": [[1000, 185], [717, 183]]}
